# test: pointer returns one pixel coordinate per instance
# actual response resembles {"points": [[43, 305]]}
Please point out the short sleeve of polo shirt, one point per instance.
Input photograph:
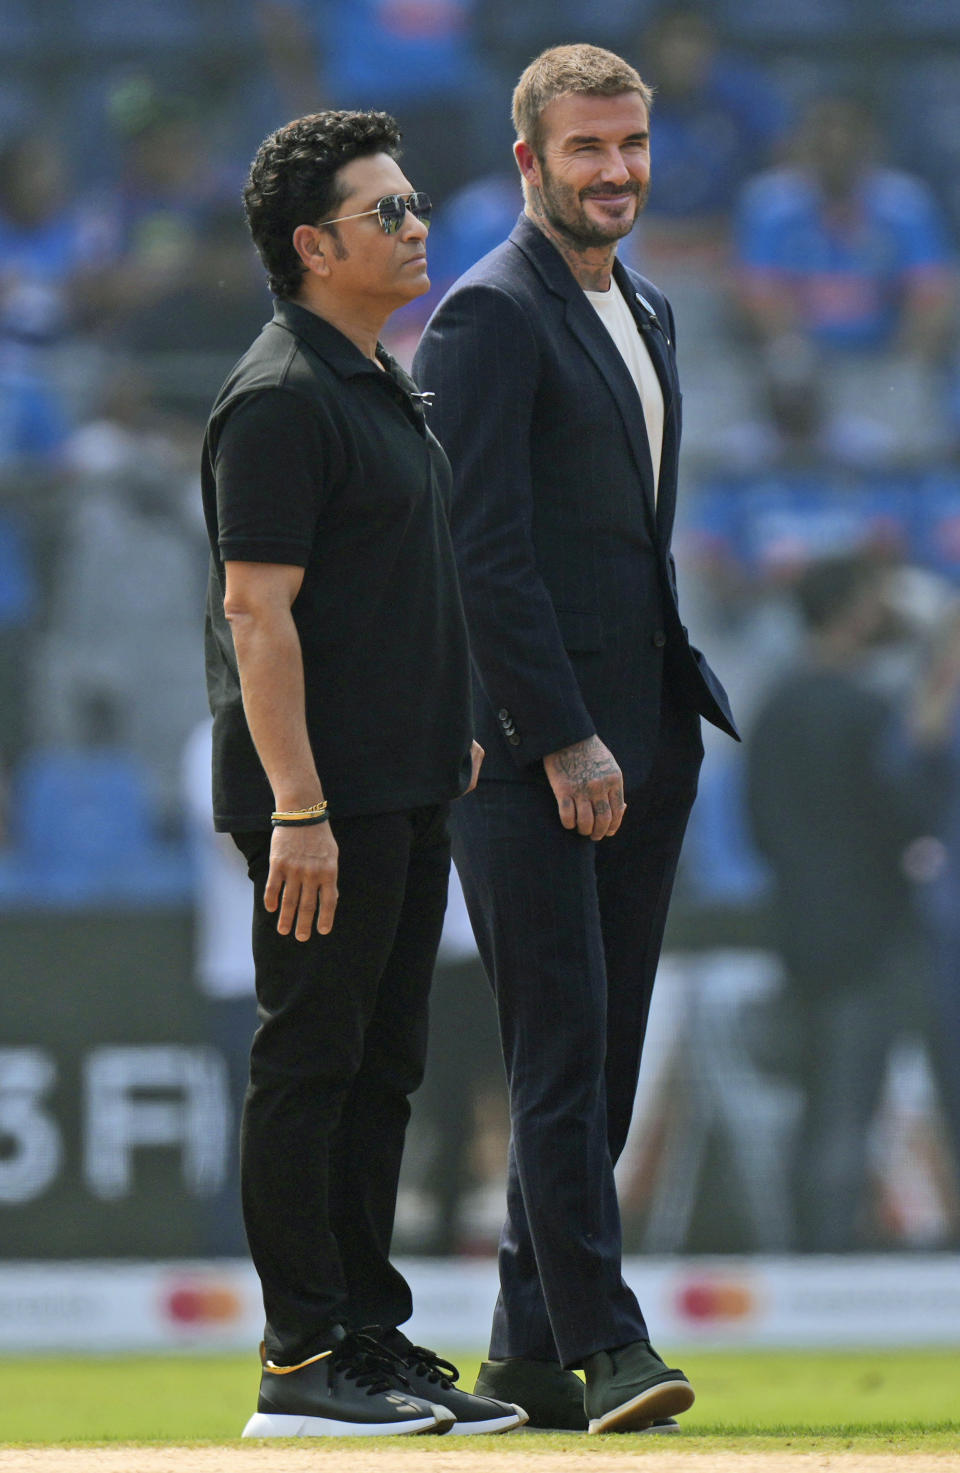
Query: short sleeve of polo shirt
{"points": [[269, 465]]}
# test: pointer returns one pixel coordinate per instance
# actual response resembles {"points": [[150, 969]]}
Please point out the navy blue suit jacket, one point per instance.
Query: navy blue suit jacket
{"points": [[564, 558]]}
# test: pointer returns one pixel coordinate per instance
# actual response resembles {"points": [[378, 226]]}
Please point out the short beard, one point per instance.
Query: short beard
{"points": [[550, 199]]}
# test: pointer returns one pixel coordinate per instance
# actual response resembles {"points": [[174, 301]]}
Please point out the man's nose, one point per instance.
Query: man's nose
{"points": [[616, 169], [414, 228]]}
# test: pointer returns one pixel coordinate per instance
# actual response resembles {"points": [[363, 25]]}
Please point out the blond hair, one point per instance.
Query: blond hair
{"points": [[563, 69]]}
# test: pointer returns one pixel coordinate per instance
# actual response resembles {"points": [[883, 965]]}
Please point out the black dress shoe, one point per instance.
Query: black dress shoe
{"points": [[630, 1388], [553, 1397], [550, 1396]]}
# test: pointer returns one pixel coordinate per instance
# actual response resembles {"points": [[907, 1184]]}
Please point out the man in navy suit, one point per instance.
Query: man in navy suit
{"points": [[556, 399]]}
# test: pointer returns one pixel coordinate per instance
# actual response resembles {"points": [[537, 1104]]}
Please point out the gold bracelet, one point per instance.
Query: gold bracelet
{"points": [[316, 813]]}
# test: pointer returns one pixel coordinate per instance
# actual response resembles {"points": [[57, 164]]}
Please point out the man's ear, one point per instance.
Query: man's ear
{"points": [[527, 163], [309, 245]]}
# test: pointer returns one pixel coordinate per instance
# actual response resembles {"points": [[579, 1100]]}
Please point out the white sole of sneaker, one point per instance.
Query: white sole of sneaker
{"points": [[664, 1400], [491, 1424], [276, 1424]]}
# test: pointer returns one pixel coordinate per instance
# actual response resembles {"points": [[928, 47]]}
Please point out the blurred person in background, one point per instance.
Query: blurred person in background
{"points": [[152, 215], [834, 821], [842, 249], [557, 400], [337, 671], [854, 257], [719, 121], [45, 243], [50, 256], [128, 563]]}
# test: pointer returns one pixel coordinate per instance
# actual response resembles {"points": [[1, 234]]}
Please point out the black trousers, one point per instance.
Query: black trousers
{"points": [[570, 933], [340, 1046]]}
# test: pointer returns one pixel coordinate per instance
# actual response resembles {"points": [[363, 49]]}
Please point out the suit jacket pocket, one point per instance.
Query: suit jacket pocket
{"points": [[580, 631]]}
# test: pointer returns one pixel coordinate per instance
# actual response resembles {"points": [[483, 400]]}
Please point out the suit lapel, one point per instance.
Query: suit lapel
{"points": [[593, 337], [597, 343], [654, 333]]}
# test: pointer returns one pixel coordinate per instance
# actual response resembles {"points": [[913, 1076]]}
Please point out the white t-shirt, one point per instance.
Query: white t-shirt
{"points": [[620, 323]]}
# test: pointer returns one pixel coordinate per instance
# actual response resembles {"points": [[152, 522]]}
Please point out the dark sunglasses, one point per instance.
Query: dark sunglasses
{"points": [[392, 209]]}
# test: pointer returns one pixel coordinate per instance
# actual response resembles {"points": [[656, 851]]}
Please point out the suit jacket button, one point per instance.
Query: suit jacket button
{"points": [[513, 739], [659, 639], [503, 714]]}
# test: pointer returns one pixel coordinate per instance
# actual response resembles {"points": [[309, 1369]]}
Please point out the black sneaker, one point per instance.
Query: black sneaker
{"points": [[352, 1390], [433, 1379]]}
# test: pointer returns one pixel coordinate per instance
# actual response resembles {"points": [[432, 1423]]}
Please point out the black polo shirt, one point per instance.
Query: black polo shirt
{"points": [[315, 457]]}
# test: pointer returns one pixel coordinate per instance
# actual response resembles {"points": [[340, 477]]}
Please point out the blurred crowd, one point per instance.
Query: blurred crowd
{"points": [[804, 220]]}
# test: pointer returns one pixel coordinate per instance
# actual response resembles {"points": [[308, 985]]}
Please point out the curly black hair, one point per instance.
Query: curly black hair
{"points": [[293, 181]]}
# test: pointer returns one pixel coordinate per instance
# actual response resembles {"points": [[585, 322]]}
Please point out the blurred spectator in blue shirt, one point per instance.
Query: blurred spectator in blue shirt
{"points": [[48, 253], [43, 243], [152, 216], [127, 583], [717, 120], [835, 246]]}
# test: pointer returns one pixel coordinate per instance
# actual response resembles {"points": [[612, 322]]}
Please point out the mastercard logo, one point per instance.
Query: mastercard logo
{"points": [[202, 1304], [709, 1300]]}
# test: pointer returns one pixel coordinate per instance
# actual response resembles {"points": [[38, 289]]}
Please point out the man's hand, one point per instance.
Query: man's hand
{"points": [[303, 866], [477, 755], [588, 787]]}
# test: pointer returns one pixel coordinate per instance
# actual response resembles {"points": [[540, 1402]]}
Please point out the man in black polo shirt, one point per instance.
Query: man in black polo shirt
{"points": [[338, 672]]}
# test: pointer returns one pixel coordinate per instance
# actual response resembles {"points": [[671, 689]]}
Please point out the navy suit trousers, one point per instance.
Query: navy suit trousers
{"points": [[570, 931]]}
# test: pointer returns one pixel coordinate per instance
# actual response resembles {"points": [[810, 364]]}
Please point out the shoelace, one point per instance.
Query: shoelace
{"points": [[370, 1365], [427, 1363]]}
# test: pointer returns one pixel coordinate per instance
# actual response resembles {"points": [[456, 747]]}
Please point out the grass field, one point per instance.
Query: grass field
{"points": [[897, 1400]]}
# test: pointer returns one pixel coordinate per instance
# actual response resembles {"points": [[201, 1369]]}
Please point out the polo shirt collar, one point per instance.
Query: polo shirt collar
{"points": [[343, 356], [325, 340]]}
